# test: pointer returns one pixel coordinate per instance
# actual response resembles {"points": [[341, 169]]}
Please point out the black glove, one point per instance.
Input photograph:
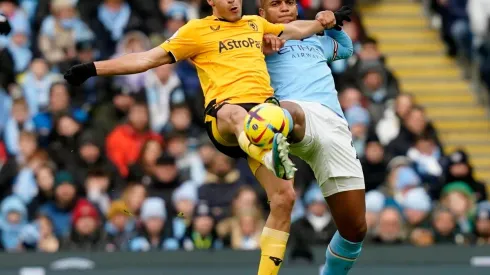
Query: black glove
{"points": [[4, 25], [77, 74], [343, 14]]}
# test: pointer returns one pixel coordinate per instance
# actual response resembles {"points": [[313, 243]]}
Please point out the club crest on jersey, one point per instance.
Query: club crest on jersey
{"points": [[253, 25], [215, 28]]}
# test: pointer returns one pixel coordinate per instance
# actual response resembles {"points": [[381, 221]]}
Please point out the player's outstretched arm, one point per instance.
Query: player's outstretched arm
{"points": [[127, 64], [300, 29]]}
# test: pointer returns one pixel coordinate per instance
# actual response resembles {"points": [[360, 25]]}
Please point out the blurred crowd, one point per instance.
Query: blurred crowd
{"points": [[465, 29], [124, 163]]}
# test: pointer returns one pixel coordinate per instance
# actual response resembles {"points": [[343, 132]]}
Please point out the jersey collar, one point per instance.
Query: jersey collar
{"points": [[215, 18]]}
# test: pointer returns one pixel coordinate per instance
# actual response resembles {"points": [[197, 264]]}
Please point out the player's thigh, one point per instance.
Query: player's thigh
{"points": [[230, 119], [278, 191]]}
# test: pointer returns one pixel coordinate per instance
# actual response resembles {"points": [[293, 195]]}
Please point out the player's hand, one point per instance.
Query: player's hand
{"points": [[77, 74], [327, 18], [272, 44], [5, 27], [343, 14]]}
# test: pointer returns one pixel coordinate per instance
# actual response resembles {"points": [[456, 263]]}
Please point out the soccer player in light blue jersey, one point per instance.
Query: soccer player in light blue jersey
{"points": [[303, 83]]}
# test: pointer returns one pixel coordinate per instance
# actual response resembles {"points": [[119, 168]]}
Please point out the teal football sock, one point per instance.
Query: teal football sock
{"points": [[341, 255]]}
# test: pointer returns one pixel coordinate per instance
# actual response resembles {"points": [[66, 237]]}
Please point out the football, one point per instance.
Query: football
{"points": [[264, 121]]}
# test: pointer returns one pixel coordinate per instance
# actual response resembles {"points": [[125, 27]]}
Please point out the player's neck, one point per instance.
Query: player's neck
{"points": [[220, 18]]}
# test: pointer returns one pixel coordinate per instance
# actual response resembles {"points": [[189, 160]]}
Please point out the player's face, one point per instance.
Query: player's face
{"points": [[279, 11], [229, 10]]}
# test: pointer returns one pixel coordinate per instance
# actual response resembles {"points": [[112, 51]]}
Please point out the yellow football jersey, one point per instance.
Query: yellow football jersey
{"points": [[228, 57]]}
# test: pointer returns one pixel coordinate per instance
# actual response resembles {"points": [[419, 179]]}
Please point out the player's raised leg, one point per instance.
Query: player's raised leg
{"points": [[275, 234], [230, 121]]}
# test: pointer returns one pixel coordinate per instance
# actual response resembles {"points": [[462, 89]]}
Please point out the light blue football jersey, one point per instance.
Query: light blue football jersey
{"points": [[299, 71]]}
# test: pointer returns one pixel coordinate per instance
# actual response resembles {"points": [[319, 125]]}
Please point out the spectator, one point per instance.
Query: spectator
{"points": [[390, 229], [350, 97], [64, 140], [479, 16], [39, 236], [5, 104], [246, 230], [316, 228], [188, 162], [388, 127], [457, 22], [119, 227], [221, 183], [37, 86], [445, 227], [124, 143], [155, 233], [111, 20], [60, 31], [358, 119], [201, 235], [19, 48], [110, 114], [184, 200], [206, 151], [16, 16], [19, 121], [60, 210], [416, 208], [245, 199], [133, 197], [180, 118], [374, 165], [405, 180], [460, 169], [375, 201], [414, 124], [24, 185], [147, 160], [426, 157], [59, 104], [177, 16], [460, 199], [91, 157], [13, 217], [482, 227], [162, 85], [10, 169], [164, 179], [45, 184], [3, 154], [96, 189], [86, 232], [377, 86]]}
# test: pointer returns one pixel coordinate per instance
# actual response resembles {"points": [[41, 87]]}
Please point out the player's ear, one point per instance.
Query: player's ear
{"points": [[262, 12], [211, 3]]}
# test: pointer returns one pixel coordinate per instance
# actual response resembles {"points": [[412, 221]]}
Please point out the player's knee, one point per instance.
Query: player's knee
{"points": [[283, 200], [356, 231]]}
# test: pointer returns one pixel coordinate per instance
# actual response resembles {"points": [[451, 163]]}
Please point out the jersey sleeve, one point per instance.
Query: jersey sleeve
{"points": [[336, 45], [268, 27], [184, 43]]}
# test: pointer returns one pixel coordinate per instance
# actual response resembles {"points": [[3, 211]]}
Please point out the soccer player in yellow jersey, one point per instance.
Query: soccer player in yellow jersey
{"points": [[226, 49]]}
